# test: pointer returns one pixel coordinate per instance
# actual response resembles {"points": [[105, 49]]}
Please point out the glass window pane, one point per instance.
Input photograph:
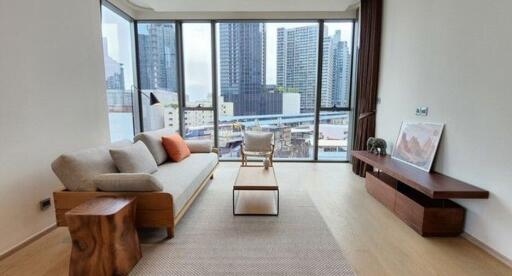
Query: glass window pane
{"points": [[118, 59], [158, 75], [267, 82], [199, 125], [336, 64], [197, 61], [333, 136]]}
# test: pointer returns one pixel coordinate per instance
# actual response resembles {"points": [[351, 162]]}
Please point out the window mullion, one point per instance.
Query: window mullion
{"points": [[318, 85]]}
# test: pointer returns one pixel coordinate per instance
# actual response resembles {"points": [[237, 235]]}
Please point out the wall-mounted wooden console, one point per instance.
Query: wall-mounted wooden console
{"points": [[420, 199]]}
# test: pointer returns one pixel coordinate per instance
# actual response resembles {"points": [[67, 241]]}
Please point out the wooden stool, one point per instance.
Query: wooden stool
{"points": [[105, 241]]}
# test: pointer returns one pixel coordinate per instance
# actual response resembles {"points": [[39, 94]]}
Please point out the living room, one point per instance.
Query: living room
{"points": [[329, 137]]}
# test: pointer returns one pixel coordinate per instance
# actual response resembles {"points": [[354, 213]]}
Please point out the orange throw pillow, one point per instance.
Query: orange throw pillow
{"points": [[175, 147]]}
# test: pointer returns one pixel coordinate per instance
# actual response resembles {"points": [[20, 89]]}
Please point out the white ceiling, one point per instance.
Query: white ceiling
{"points": [[243, 5]]}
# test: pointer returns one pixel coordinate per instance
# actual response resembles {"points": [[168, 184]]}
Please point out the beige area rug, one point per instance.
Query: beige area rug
{"points": [[211, 241]]}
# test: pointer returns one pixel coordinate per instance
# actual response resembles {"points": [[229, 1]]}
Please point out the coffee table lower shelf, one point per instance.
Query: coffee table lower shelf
{"points": [[254, 183], [236, 196]]}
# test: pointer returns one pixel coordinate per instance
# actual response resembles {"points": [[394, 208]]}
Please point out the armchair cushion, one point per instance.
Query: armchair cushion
{"points": [[258, 141], [199, 146], [127, 182]]}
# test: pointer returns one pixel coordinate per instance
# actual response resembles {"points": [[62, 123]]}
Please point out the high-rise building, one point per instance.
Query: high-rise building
{"points": [[242, 53], [242, 58], [157, 56], [297, 63], [328, 65], [341, 71]]}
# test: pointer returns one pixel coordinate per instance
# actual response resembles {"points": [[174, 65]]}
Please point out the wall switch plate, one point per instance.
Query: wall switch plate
{"points": [[422, 111], [45, 204]]}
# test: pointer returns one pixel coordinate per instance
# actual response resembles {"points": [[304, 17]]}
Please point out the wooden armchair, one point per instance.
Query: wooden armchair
{"points": [[257, 144]]}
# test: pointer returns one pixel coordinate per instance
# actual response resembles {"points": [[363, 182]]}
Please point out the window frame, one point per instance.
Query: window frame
{"points": [[178, 68], [137, 107]]}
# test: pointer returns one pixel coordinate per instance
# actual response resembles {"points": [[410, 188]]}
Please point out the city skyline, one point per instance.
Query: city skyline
{"points": [[196, 71]]}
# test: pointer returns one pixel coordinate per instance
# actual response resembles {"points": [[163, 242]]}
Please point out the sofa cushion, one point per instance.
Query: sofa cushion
{"points": [[153, 140], [76, 170], [175, 147], [134, 158], [182, 179], [127, 182], [199, 146]]}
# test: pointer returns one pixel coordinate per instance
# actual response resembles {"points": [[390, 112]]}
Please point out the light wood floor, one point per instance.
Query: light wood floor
{"points": [[374, 241]]}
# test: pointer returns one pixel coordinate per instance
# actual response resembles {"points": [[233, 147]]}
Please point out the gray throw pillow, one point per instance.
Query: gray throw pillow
{"points": [[134, 158], [153, 140]]}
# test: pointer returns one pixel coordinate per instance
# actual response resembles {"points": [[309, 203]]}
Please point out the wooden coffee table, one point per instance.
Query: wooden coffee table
{"points": [[255, 183]]}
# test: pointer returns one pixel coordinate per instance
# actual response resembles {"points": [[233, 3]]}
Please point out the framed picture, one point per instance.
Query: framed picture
{"points": [[417, 144]]}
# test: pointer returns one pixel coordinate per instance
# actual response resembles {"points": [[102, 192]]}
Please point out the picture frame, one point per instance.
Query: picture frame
{"points": [[417, 144]]}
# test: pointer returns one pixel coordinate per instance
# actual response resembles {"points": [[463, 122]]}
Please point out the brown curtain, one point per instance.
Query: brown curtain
{"points": [[367, 77]]}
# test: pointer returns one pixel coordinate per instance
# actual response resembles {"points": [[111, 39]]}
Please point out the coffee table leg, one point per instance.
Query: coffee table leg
{"points": [[278, 202]]}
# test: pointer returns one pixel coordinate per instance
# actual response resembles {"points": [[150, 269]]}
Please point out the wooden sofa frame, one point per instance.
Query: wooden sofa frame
{"points": [[154, 209]]}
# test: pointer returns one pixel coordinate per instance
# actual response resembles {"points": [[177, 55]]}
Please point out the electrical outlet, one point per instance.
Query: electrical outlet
{"points": [[422, 111], [45, 204]]}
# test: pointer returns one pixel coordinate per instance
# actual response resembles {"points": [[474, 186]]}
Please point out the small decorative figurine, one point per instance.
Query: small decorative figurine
{"points": [[376, 146], [266, 163]]}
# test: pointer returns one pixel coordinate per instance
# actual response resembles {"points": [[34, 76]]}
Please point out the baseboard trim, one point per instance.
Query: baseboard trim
{"points": [[27, 241], [487, 249]]}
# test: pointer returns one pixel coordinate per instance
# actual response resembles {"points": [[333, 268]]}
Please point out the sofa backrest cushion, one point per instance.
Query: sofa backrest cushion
{"points": [[134, 158], [153, 140], [76, 170], [199, 146]]}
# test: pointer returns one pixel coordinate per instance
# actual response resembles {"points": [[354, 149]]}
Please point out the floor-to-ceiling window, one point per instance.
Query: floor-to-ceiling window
{"points": [[117, 33], [335, 107], [214, 80], [198, 112], [267, 82], [158, 75]]}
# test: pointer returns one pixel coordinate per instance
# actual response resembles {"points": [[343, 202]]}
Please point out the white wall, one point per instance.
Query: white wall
{"points": [[52, 99], [456, 58]]}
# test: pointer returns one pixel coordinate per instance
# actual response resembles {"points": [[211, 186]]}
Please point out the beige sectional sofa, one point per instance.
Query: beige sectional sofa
{"points": [[162, 197]]}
